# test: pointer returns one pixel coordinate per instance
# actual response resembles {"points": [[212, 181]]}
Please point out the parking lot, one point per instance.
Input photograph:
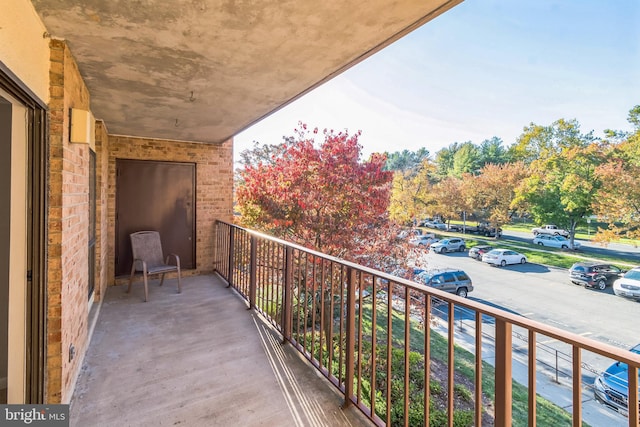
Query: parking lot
{"points": [[546, 294]]}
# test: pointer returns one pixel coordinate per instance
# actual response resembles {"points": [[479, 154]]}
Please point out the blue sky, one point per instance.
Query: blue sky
{"points": [[485, 68]]}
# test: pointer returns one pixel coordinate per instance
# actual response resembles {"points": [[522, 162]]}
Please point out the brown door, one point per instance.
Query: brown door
{"points": [[157, 196]]}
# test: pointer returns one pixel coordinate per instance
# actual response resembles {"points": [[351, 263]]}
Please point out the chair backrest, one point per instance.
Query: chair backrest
{"points": [[146, 246]]}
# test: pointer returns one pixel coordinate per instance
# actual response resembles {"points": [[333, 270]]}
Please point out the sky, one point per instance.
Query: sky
{"points": [[485, 68]]}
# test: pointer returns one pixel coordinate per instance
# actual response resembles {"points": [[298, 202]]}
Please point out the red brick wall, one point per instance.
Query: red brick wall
{"points": [[214, 184], [68, 219], [102, 211]]}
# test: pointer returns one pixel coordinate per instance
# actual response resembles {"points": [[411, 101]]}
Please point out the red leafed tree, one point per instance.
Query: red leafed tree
{"points": [[320, 195]]}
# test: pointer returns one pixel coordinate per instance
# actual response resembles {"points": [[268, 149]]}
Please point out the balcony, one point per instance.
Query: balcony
{"points": [[194, 359], [201, 358]]}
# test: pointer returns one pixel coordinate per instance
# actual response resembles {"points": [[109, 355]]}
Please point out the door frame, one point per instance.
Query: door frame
{"points": [[35, 309]]}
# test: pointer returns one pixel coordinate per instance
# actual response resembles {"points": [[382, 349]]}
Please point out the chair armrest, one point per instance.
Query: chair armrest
{"points": [[176, 257]]}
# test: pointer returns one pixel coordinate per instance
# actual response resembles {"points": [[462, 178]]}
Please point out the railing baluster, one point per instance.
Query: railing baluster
{"points": [[427, 357], [577, 387], [407, 352], [451, 362], [287, 300], [633, 396], [374, 344], [478, 379], [313, 307], [359, 329], [253, 265], [351, 337], [532, 378], [389, 347], [503, 394], [231, 255]]}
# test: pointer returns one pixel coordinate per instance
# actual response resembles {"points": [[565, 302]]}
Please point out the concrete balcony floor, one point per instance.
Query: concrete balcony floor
{"points": [[198, 358]]}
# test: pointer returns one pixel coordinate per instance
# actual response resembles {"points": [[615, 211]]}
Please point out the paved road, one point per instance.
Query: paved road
{"points": [[544, 294]]}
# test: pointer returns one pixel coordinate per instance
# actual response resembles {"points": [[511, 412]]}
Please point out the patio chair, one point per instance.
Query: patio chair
{"points": [[147, 258]]}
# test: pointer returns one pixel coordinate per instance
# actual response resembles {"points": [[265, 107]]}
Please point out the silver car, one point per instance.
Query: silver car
{"points": [[449, 245], [628, 286], [611, 387], [555, 242]]}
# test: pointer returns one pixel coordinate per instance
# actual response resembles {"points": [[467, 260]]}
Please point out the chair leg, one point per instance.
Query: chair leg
{"points": [[161, 279], [179, 284], [146, 287], [133, 270]]}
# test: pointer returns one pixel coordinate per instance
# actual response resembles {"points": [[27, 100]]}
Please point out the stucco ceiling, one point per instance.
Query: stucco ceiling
{"points": [[204, 70]]}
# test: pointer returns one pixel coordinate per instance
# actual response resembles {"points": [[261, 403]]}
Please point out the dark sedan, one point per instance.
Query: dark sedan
{"points": [[594, 275]]}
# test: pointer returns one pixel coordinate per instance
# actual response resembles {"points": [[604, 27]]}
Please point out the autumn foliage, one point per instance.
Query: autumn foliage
{"points": [[320, 195]]}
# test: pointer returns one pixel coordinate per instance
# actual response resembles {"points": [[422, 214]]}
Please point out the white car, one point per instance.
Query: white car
{"points": [[628, 286], [555, 242], [409, 233], [439, 225], [503, 257]]}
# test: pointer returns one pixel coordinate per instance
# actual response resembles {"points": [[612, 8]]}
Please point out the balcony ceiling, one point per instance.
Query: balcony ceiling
{"points": [[204, 70]]}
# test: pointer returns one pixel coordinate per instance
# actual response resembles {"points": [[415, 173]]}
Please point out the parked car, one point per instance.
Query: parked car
{"points": [[594, 274], [423, 240], [448, 280], [551, 230], [424, 222], [476, 252], [449, 245], [435, 224], [409, 233], [454, 227], [427, 223], [612, 386], [485, 229], [628, 286], [503, 257], [439, 225], [555, 241]]}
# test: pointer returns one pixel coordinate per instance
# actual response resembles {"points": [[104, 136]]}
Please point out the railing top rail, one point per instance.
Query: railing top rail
{"points": [[603, 349]]}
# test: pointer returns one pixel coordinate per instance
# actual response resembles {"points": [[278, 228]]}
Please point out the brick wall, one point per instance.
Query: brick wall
{"points": [[214, 183], [68, 219], [102, 212]]}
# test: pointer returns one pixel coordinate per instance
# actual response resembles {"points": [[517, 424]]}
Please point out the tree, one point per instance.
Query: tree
{"points": [[322, 197], [406, 160], [445, 158], [466, 159], [412, 195], [618, 199], [492, 151], [491, 193], [449, 199], [562, 184], [266, 153]]}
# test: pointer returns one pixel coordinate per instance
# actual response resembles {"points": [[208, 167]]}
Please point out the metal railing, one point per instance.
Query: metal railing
{"points": [[355, 326]]}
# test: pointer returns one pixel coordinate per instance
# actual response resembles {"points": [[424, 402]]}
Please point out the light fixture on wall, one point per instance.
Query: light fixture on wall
{"points": [[82, 128]]}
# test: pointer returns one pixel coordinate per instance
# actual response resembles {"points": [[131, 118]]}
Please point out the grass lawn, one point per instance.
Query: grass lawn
{"points": [[548, 413], [542, 255]]}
